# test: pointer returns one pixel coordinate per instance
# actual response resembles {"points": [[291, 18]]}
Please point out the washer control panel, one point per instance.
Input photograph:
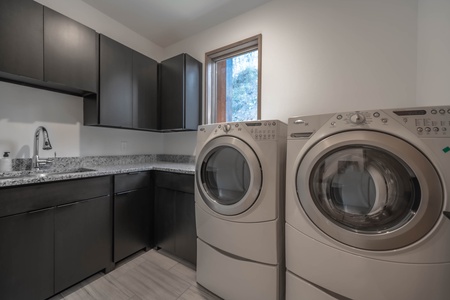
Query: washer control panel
{"points": [[422, 121]]}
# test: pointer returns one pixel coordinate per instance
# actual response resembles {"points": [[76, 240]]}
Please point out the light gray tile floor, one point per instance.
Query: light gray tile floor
{"points": [[145, 276]]}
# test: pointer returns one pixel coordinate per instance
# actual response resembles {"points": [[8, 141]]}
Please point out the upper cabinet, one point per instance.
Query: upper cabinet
{"points": [[128, 89], [145, 92], [70, 52], [43, 48], [21, 42], [180, 93]]}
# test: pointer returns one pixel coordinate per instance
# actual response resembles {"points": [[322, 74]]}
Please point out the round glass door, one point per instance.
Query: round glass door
{"points": [[228, 175], [369, 190]]}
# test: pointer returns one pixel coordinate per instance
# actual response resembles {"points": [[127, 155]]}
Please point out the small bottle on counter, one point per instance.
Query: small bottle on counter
{"points": [[5, 163]]}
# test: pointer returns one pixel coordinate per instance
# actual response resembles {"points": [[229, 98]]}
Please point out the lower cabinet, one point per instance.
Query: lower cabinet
{"points": [[53, 235], [82, 240], [175, 215], [133, 214], [26, 255]]}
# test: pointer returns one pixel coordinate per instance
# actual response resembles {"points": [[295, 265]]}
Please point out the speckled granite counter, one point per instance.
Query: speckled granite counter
{"points": [[84, 167]]}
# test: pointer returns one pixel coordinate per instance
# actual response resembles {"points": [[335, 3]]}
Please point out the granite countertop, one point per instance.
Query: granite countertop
{"points": [[85, 168]]}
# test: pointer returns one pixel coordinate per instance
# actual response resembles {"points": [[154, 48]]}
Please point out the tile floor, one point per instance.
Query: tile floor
{"points": [[145, 276]]}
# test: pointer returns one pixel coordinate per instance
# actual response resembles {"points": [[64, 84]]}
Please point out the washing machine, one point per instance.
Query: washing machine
{"points": [[239, 207], [367, 205]]}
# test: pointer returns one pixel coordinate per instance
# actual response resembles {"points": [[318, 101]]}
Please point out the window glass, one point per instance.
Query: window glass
{"points": [[233, 82]]}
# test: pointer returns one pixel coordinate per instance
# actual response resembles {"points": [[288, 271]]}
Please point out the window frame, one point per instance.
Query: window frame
{"points": [[211, 57]]}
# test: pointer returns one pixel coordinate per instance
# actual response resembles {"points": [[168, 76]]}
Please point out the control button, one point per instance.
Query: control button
{"points": [[357, 118], [299, 121], [442, 111], [339, 117], [448, 110], [444, 129], [220, 126], [236, 125], [376, 114], [433, 111], [435, 129], [333, 123], [419, 129], [274, 123], [384, 120], [427, 129]]}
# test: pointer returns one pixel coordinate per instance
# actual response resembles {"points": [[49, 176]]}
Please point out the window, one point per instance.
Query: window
{"points": [[233, 82]]}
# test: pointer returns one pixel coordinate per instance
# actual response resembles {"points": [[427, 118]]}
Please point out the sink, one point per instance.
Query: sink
{"points": [[43, 173]]}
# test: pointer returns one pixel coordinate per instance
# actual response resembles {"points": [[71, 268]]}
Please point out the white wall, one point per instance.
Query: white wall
{"points": [[23, 109], [433, 59], [324, 55]]}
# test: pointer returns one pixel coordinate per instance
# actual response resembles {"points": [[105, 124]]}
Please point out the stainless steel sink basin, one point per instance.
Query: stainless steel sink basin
{"points": [[44, 173]]}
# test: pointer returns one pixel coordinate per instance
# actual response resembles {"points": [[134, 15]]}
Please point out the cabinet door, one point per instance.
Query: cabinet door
{"points": [[83, 240], [181, 93], [21, 38], [26, 256], [175, 215], [116, 106], [132, 215], [185, 231], [70, 50], [145, 97], [172, 93], [165, 219]]}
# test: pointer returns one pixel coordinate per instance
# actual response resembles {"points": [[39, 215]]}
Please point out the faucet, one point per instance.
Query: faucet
{"points": [[37, 162]]}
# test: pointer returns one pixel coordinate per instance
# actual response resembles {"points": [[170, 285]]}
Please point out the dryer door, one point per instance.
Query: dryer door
{"points": [[369, 190], [228, 175]]}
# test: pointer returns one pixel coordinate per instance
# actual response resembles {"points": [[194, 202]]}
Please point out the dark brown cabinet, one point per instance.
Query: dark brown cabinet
{"points": [[53, 235], [70, 53], [133, 214], [145, 92], [42, 48], [116, 84], [128, 89], [175, 215], [26, 255], [82, 240], [21, 43], [180, 93]]}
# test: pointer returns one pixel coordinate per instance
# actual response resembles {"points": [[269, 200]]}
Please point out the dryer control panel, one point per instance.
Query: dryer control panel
{"points": [[264, 130]]}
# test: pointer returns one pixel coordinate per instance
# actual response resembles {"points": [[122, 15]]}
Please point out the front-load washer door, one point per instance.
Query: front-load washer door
{"points": [[369, 190], [228, 175]]}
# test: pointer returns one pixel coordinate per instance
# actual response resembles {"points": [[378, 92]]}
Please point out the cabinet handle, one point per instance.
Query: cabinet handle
{"points": [[69, 204], [39, 210], [133, 173], [123, 193]]}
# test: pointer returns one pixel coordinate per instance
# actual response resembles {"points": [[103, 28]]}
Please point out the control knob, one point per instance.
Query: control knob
{"points": [[357, 118], [226, 127]]}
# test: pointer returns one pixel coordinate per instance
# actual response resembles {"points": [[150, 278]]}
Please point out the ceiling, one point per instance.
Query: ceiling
{"points": [[166, 22]]}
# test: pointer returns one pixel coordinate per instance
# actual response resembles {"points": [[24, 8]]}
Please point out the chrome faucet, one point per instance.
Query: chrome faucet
{"points": [[37, 162]]}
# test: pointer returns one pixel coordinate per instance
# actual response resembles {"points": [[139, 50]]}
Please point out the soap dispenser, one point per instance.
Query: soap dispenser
{"points": [[5, 163]]}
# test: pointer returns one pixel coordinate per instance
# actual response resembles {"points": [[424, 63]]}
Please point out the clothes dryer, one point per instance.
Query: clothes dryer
{"points": [[239, 206], [367, 208]]}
